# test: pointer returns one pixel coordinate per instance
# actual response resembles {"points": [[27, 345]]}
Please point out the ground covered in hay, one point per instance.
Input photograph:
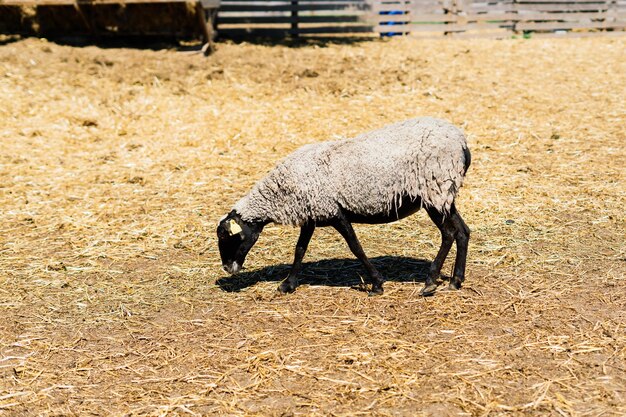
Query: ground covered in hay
{"points": [[115, 165]]}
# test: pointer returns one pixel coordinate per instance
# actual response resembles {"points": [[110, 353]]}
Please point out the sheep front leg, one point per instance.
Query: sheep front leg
{"points": [[291, 282], [344, 227]]}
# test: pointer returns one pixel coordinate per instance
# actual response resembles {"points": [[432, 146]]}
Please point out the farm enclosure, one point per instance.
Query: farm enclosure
{"points": [[287, 18], [424, 18], [116, 164]]}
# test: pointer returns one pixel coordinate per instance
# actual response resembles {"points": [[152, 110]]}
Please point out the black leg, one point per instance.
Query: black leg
{"points": [[291, 282], [462, 240], [344, 227], [448, 231]]}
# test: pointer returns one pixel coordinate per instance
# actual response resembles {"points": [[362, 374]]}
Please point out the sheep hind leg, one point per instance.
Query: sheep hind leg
{"points": [[291, 282], [344, 227], [462, 241], [447, 228]]}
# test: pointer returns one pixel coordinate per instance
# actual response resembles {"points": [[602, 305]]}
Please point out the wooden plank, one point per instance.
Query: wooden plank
{"points": [[436, 28], [546, 16], [561, 7], [261, 32], [301, 30], [507, 35], [253, 15], [568, 34], [427, 18], [502, 8], [563, 1], [468, 2], [509, 17], [288, 7], [410, 8], [413, 2], [335, 29], [288, 19], [494, 34], [523, 26], [539, 8]]}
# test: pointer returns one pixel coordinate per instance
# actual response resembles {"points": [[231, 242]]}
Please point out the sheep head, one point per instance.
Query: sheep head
{"points": [[235, 239]]}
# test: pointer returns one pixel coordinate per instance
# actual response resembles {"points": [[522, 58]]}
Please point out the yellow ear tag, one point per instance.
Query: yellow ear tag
{"points": [[234, 227]]}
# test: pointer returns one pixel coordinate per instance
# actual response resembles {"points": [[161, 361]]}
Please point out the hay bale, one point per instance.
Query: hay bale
{"points": [[174, 20]]}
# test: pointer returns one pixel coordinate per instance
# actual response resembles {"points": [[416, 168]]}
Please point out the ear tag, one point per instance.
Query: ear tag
{"points": [[234, 228]]}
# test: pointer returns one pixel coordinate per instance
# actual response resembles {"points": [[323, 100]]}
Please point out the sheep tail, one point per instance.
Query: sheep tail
{"points": [[468, 159]]}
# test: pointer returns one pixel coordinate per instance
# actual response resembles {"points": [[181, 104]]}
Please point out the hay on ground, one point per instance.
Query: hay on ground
{"points": [[116, 164]]}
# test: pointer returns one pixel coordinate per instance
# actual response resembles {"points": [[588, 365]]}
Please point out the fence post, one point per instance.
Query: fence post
{"points": [[206, 20], [453, 10], [294, 18]]}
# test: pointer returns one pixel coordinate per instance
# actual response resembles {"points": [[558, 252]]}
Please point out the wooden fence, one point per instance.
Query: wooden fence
{"points": [[297, 17], [280, 18], [494, 18], [503, 16]]}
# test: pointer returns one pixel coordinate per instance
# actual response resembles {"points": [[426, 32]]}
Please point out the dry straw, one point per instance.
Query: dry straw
{"points": [[115, 165]]}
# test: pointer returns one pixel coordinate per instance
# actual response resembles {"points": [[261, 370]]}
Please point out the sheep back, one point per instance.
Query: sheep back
{"points": [[368, 174]]}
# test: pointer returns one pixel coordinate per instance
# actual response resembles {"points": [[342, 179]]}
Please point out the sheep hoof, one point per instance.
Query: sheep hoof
{"points": [[455, 283], [286, 287], [454, 286], [375, 291], [428, 290]]}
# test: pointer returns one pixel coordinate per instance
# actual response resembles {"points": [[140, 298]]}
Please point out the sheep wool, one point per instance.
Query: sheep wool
{"points": [[370, 174]]}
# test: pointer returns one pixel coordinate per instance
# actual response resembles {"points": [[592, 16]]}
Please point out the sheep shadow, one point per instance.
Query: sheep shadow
{"points": [[332, 273]]}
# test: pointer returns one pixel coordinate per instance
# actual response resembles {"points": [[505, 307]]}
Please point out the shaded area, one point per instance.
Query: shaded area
{"points": [[321, 41], [153, 43], [159, 42], [191, 45], [7, 39], [176, 20], [144, 26], [333, 273]]}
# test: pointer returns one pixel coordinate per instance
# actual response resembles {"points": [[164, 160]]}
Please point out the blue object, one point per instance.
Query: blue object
{"points": [[392, 12]]}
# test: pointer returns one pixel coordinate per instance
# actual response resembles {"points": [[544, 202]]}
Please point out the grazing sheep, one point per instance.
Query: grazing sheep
{"points": [[378, 177]]}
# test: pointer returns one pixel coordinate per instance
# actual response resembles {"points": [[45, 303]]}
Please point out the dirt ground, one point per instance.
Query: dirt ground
{"points": [[115, 165]]}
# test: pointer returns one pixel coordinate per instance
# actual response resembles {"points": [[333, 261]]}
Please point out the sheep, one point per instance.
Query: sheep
{"points": [[377, 177]]}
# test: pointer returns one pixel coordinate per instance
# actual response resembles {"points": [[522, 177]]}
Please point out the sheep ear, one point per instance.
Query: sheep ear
{"points": [[234, 227]]}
